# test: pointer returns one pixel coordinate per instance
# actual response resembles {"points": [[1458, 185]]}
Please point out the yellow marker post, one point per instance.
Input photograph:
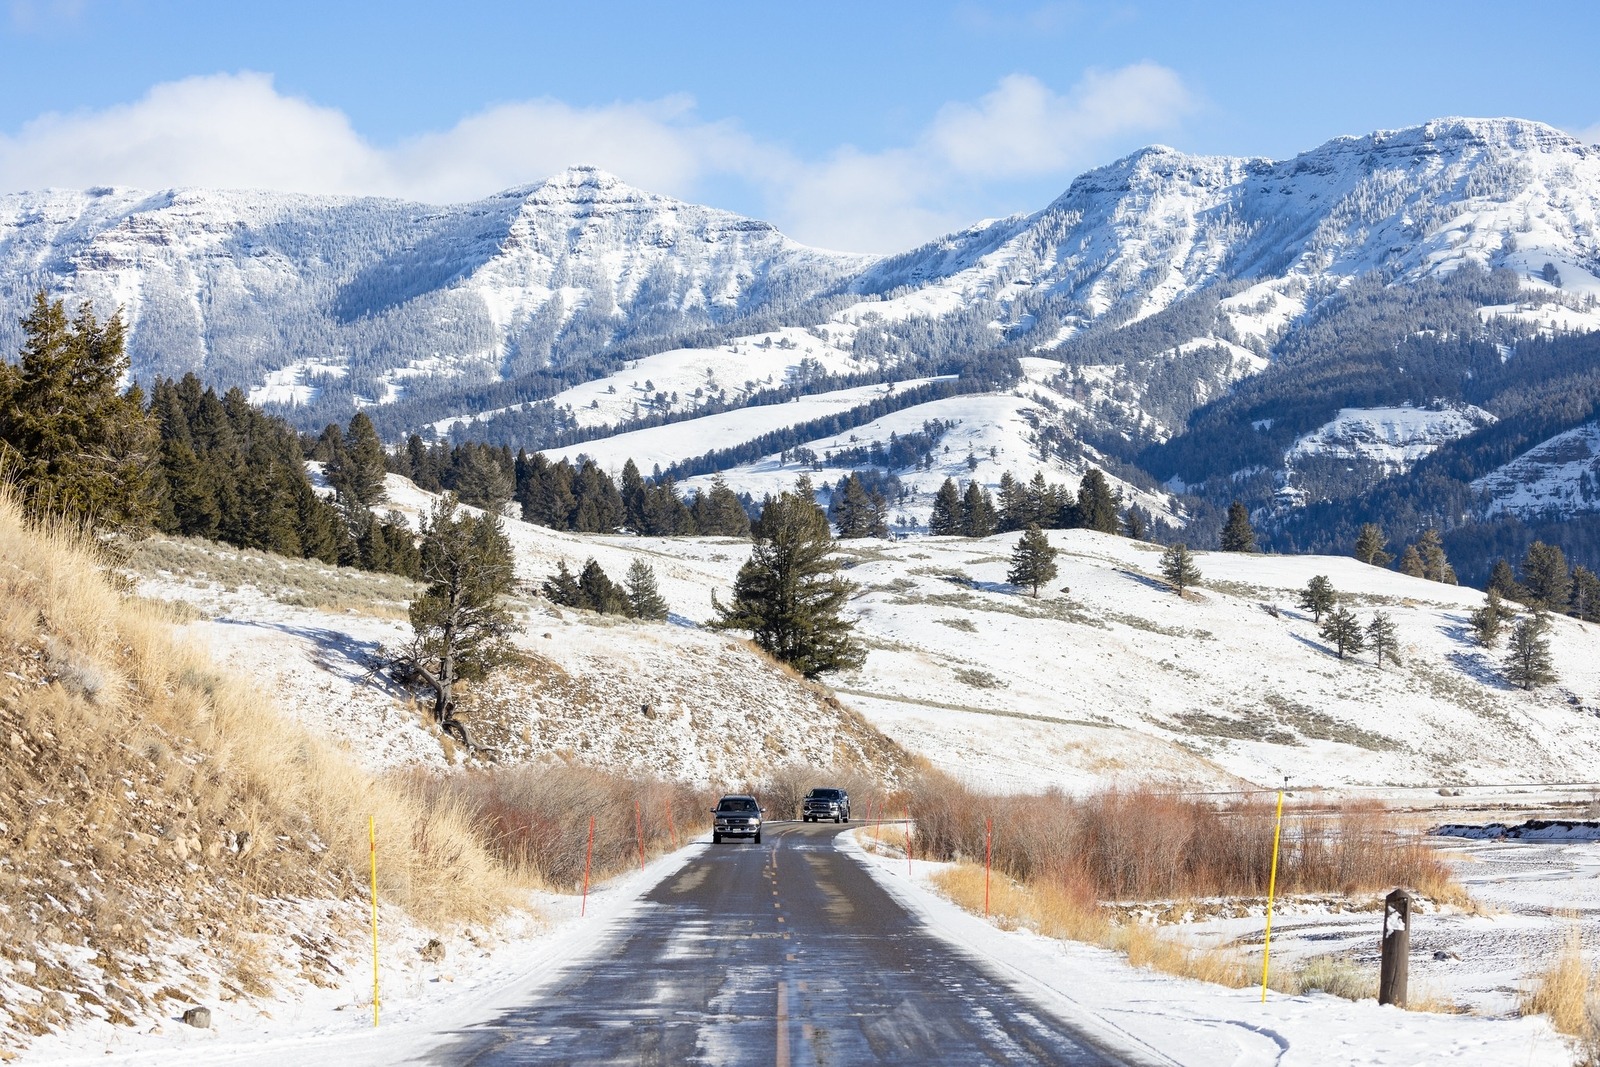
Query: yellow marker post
{"points": [[372, 840], [1272, 889]]}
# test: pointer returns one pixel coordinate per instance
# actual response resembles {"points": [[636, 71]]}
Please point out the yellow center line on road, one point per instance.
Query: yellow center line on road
{"points": [[781, 1058]]}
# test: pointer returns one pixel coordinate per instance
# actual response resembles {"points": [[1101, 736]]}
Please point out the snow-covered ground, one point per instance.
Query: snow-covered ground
{"points": [[1106, 677]]}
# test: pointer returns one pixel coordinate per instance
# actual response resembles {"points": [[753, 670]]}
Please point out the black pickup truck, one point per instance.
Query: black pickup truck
{"points": [[822, 804]]}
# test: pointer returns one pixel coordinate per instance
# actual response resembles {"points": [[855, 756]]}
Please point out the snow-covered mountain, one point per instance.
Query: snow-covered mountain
{"points": [[1152, 291], [280, 292]]}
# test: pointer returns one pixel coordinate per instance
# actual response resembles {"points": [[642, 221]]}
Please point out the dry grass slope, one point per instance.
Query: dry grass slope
{"points": [[153, 810]]}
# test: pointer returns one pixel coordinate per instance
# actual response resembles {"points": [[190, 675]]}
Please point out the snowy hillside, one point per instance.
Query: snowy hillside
{"points": [[1106, 677], [1559, 477], [1393, 438]]}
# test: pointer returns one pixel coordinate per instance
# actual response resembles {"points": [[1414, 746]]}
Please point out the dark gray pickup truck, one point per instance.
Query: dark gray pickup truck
{"points": [[736, 816]]}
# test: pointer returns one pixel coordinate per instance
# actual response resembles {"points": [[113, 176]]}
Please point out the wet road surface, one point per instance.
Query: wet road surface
{"points": [[783, 953]]}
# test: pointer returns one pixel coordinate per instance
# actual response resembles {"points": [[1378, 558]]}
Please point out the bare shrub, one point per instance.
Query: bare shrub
{"points": [[1144, 844], [535, 819]]}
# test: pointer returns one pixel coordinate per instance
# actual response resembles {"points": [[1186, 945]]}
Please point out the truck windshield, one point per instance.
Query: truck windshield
{"points": [[738, 804]]}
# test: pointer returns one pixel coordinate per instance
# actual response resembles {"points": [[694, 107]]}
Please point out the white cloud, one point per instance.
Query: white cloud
{"points": [[1589, 134], [1022, 128], [239, 131]]}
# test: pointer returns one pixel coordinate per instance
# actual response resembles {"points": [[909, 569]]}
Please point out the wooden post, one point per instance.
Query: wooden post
{"points": [[1393, 970]]}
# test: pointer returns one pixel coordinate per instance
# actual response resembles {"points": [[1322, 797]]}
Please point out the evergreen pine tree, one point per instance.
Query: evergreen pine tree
{"points": [[1435, 567], [1097, 505], [1487, 619], [480, 480], [1344, 630], [718, 513], [1585, 594], [562, 587], [1546, 578], [1503, 580], [1382, 640], [978, 518], [644, 598], [1040, 503], [1411, 562], [856, 512], [461, 623], [597, 592], [1318, 597], [365, 456], [1033, 561], [632, 492], [1178, 567], [1528, 662], [1370, 544], [72, 444], [1238, 535], [1013, 504], [1133, 524], [946, 515], [789, 594]]}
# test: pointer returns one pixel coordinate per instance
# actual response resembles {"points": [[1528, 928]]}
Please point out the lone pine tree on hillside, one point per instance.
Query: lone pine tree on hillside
{"points": [[1318, 597], [71, 443], [1178, 567], [1238, 535], [1435, 567], [1344, 630], [1411, 562], [644, 597], [1486, 621], [1381, 639], [789, 594], [461, 624], [1033, 561], [1528, 662]]}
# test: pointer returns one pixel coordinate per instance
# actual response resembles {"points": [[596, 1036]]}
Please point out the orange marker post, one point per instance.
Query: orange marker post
{"points": [[638, 831], [587, 857], [988, 852]]}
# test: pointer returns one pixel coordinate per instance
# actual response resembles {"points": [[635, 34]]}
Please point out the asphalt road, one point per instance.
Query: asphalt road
{"points": [[784, 953]]}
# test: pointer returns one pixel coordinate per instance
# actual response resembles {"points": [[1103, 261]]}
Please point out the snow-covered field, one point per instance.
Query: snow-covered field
{"points": [[1106, 677]]}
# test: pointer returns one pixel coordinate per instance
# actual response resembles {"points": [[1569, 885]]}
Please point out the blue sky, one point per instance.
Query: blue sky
{"points": [[867, 126]]}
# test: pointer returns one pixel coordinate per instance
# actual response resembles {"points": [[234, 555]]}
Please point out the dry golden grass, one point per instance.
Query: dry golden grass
{"points": [[145, 797], [1568, 991]]}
